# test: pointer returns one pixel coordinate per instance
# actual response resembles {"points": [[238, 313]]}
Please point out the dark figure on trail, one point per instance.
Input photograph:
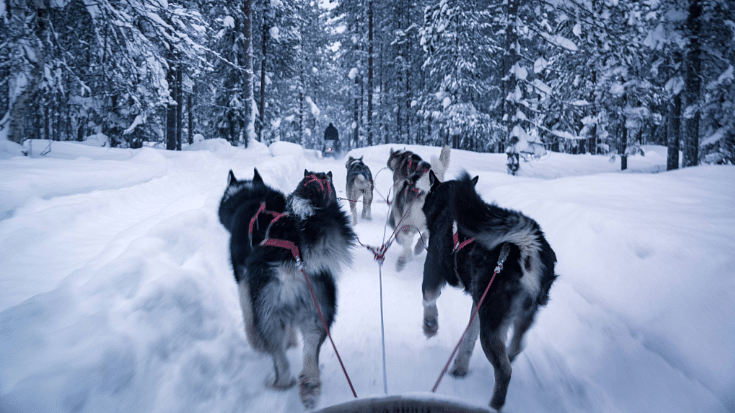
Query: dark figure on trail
{"points": [[331, 141], [513, 163], [514, 157]]}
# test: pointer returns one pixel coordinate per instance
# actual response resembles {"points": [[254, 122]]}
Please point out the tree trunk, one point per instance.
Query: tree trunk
{"points": [[370, 76], [693, 83], [509, 60], [23, 83], [673, 132], [189, 113], [592, 144], [262, 71], [171, 109], [179, 108], [624, 148], [248, 98]]}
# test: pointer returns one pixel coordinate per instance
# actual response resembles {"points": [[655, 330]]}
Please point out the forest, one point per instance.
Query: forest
{"points": [[575, 76]]}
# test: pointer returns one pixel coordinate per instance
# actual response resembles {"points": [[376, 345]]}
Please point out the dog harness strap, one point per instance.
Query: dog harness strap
{"points": [[276, 216], [455, 236], [282, 243]]}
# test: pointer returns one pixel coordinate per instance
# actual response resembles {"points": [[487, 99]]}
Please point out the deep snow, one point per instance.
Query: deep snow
{"points": [[116, 293]]}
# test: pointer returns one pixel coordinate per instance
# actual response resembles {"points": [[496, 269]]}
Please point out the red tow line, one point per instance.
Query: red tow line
{"points": [[501, 259]]}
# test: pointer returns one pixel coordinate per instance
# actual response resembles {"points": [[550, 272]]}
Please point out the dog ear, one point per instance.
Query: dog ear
{"points": [[231, 178], [306, 172], [349, 161], [256, 177], [474, 180], [362, 157], [329, 174], [433, 180]]}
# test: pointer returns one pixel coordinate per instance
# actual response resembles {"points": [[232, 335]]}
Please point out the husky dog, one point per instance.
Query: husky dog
{"points": [[519, 289], [274, 295], [359, 184], [513, 163], [240, 203], [410, 185]]}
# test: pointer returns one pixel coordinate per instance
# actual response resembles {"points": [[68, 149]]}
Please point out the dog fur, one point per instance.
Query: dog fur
{"points": [[359, 184], [274, 296], [519, 289], [410, 185]]}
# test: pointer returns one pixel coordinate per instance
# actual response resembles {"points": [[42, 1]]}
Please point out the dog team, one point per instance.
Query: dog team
{"points": [[277, 241]]}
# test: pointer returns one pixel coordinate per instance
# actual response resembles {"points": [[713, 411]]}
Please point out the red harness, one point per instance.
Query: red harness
{"points": [[254, 219], [321, 182], [455, 236]]}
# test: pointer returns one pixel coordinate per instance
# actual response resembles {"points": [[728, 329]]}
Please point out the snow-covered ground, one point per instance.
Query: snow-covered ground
{"points": [[116, 294]]}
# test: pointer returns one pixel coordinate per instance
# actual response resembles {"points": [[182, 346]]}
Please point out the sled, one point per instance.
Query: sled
{"points": [[401, 404]]}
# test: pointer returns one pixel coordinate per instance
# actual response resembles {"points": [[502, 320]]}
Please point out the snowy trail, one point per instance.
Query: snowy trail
{"points": [[116, 293]]}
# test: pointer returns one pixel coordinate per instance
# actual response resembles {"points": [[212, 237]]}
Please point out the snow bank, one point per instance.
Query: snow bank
{"points": [[116, 292]]}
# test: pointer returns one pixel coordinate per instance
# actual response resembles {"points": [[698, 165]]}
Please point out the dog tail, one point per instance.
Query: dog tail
{"points": [[439, 165], [492, 226]]}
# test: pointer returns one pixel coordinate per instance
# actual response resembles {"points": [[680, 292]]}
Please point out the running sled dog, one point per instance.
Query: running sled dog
{"points": [[274, 296], [410, 186], [518, 290], [359, 184]]}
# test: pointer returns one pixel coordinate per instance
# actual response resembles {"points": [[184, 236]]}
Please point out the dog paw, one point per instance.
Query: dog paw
{"points": [[431, 326], [419, 247], [309, 390], [458, 371], [401, 263], [284, 384], [497, 402]]}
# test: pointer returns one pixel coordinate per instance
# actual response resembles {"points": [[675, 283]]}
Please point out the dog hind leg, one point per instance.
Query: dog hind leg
{"points": [[274, 331], [247, 314], [494, 347], [462, 362], [276, 345], [520, 326], [404, 238], [352, 197], [310, 384], [367, 200], [431, 312]]}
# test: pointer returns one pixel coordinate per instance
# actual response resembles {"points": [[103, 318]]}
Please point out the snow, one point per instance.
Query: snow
{"points": [[519, 71], [714, 138], [229, 22], [274, 33], [539, 65], [352, 74], [98, 139], [139, 120], [313, 108], [116, 292], [725, 76]]}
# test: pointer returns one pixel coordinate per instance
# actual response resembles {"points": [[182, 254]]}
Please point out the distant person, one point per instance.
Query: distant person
{"points": [[331, 141]]}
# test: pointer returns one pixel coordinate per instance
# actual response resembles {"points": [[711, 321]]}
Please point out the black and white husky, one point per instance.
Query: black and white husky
{"points": [[410, 185], [519, 289], [359, 184], [274, 295]]}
